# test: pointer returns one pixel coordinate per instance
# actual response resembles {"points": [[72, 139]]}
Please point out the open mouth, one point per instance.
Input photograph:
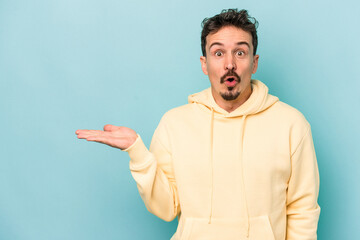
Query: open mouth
{"points": [[230, 81]]}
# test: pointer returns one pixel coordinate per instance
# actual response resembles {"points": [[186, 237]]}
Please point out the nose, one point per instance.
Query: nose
{"points": [[230, 63]]}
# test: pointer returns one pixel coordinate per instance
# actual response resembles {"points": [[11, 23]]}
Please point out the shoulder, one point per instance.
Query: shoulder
{"points": [[288, 114], [174, 119], [178, 112], [294, 121]]}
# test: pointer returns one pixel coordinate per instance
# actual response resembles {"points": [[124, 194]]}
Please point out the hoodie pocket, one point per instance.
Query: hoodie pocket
{"points": [[260, 228], [226, 229]]}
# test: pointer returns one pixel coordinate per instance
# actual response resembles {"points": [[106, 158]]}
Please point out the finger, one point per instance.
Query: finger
{"points": [[109, 128], [89, 133], [99, 139], [80, 131], [83, 136]]}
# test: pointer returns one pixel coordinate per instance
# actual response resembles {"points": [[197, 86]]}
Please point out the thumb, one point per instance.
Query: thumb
{"points": [[109, 128]]}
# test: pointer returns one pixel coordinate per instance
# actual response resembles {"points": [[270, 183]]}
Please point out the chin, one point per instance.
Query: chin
{"points": [[230, 95]]}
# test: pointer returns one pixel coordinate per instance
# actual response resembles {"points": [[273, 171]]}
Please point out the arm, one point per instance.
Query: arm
{"points": [[303, 188], [152, 170], [153, 173]]}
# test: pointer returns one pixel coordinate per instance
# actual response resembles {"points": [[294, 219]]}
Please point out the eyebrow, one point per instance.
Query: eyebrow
{"points": [[238, 43]]}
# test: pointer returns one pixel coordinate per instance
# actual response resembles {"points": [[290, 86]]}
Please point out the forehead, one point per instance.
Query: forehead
{"points": [[229, 35]]}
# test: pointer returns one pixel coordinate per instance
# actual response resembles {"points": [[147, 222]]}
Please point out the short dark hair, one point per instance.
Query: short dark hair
{"points": [[229, 17]]}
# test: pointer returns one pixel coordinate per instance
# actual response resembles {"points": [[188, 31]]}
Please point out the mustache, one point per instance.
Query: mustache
{"points": [[230, 73]]}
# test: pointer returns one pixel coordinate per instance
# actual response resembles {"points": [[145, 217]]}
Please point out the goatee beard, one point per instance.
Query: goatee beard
{"points": [[229, 96]]}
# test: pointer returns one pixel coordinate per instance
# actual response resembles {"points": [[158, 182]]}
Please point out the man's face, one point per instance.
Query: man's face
{"points": [[229, 62]]}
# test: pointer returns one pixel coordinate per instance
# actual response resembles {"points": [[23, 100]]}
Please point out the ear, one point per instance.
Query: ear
{"points": [[255, 63], [203, 65]]}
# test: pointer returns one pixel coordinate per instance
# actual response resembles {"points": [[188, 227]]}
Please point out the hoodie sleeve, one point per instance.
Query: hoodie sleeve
{"points": [[154, 175], [303, 188]]}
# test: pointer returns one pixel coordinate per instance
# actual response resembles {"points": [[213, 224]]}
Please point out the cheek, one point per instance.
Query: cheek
{"points": [[245, 68], [212, 70]]}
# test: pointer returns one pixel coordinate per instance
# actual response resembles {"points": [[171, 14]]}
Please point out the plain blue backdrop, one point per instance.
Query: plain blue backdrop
{"points": [[70, 64]]}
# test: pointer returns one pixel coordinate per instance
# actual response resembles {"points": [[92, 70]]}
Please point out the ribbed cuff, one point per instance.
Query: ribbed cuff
{"points": [[138, 152], [134, 143]]}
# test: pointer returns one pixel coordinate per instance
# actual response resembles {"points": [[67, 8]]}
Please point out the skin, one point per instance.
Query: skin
{"points": [[114, 136], [229, 49]]}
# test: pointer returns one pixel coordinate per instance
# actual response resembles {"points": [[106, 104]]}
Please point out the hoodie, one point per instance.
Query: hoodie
{"points": [[248, 174]]}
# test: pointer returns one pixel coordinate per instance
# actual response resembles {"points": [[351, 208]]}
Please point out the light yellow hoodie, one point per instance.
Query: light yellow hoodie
{"points": [[248, 174]]}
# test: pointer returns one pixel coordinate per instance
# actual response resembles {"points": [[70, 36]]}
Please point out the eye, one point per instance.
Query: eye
{"points": [[218, 54], [240, 53]]}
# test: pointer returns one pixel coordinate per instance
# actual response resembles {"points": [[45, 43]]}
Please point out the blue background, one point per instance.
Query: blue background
{"points": [[73, 64]]}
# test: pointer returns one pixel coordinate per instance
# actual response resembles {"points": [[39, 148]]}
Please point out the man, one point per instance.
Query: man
{"points": [[234, 163]]}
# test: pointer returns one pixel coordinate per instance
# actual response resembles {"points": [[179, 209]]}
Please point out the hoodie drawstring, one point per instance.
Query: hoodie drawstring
{"points": [[242, 130], [211, 162], [247, 218]]}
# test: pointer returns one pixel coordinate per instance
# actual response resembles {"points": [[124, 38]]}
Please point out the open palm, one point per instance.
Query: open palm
{"points": [[114, 136]]}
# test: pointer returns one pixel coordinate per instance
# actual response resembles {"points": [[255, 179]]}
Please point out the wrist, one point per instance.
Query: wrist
{"points": [[132, 141]]}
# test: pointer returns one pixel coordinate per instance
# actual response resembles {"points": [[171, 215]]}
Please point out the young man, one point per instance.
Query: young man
{"points": [[234, 163]]}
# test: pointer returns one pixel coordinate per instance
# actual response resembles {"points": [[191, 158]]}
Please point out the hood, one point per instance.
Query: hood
{"points": [[258, 101]]}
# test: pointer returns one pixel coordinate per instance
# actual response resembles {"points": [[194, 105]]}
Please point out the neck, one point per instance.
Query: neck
{"points": [[230, 106]]}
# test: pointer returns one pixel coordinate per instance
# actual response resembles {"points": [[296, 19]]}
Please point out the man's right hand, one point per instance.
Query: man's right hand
{"points": [[117, 137]]}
